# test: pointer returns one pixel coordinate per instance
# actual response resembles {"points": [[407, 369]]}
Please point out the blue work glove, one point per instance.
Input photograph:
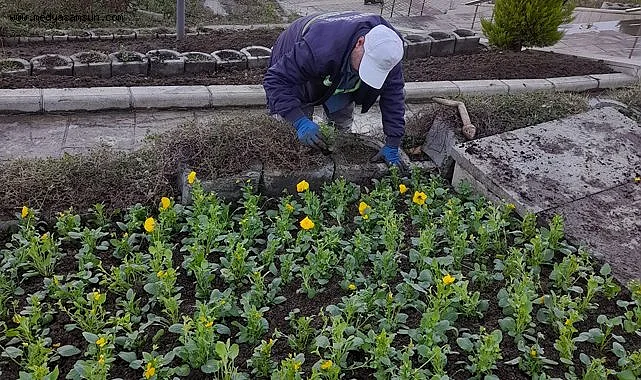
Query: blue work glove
{"points": [[309, 134], [390, 154], [391, 157]]}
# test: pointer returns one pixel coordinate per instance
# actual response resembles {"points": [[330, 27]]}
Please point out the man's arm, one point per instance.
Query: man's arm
{"points": [[284, 78], [392, 104]]}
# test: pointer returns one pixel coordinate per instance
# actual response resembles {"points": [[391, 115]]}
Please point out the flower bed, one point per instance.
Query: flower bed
{"points": [[404, 280]]}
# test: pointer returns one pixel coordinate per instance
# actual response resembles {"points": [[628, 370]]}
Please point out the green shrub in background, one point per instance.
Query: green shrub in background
{"points": [[520, 23]]}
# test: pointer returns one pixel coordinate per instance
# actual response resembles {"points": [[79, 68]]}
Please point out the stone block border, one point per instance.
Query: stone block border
{"points": [[165, 97], [273, 181]]}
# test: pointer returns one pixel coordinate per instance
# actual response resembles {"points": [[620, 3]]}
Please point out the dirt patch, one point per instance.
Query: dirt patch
{"points": [[92, 57], [10, 66], [488, 65], [128, 56], [53, 61], [496, 64]]}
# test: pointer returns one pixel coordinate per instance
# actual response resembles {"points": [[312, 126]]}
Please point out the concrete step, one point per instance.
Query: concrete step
{"points": [[582, 167]]}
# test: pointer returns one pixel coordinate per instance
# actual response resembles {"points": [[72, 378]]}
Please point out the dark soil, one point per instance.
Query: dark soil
{"points": [[10, 66], [92, 57], [123, 32], [102, 32], [162, 56], [128, 56], [193, 57], [53, 61], [79, 33], [487, 65], [229, 55], [531, 64]]}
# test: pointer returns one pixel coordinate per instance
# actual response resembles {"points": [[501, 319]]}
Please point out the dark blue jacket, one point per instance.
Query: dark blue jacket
{"points": [[315, 47]]}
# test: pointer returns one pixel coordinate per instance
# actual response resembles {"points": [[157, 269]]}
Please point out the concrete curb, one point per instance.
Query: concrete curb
{"points": [[164, 97]]}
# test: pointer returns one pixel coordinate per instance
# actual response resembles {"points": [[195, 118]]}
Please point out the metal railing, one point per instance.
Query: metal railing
{"points": [[396, 5], [638, 34], [477, 3]]}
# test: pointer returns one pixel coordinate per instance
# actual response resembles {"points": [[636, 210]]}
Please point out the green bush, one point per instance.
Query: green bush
{"points": [[519, 23]]}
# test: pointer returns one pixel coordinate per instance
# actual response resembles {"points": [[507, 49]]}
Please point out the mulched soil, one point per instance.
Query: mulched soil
{"points": [[485, 65]]}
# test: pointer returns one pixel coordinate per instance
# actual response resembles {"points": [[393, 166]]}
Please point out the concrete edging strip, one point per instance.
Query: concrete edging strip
{"points": [[84, 99], [103, 98], [22, 100], [170, 97]]}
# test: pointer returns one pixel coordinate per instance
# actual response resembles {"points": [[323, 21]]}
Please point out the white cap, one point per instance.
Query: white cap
{"points": [[383, 51]]}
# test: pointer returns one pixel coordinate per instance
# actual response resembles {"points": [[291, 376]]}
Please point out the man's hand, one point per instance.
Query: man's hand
{"points": [[389, 154], [391, 157], [309, 134]]}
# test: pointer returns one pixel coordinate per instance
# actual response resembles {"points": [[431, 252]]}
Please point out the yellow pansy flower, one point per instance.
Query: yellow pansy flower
{"points": [[302, 186], [448, 280], [150, 224], [24, 212], [165, 203], [419, 198], [351, 287], [150, 371], [101, 342], [307, 224], [327, 364], [533, 353], [402, 188], [362, 208], [191, 177]]}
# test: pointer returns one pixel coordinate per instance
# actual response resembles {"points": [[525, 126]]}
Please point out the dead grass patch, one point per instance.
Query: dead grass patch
{"points": [[498, 113], [120, 179]]}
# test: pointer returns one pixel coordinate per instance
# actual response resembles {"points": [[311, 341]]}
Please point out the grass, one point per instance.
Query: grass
{"points": [[500, 113], [629, 95], [97, 14], [119, 179]]}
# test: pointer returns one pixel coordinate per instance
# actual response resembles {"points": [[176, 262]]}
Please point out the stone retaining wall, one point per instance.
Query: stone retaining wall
{"points": [[460, 41]]}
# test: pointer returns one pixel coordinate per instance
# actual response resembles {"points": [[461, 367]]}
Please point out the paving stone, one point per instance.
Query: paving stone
{"points": [[555, 163], [614, 214], [440, 139], [152, 122], [31, 136], [89, 130]]}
